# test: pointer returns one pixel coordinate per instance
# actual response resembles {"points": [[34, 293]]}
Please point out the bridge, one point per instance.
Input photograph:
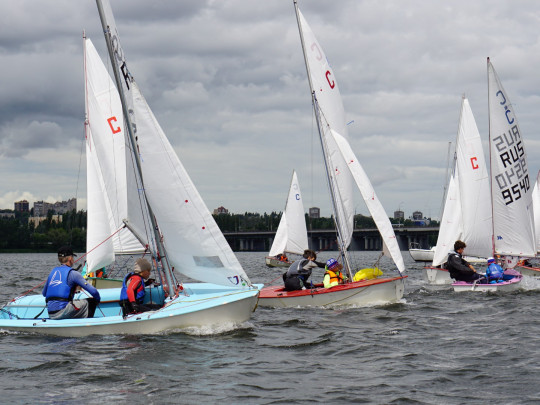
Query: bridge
{"points": [[363, 239]]}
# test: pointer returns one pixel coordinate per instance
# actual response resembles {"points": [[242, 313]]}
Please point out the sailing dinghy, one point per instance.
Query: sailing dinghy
{"points": [[524, 266], [165, 213], [511, 190], [467, 208], [291, 235], [342, 168]]}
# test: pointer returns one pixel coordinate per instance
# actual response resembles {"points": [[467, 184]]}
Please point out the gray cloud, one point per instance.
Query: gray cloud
{"points": [[227, 82]]}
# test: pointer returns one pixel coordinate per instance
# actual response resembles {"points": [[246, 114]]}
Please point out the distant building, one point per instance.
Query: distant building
{"points": [[37, 220], [314, 212], [399, 214], [7, 214], [21, 206], [221, 210], [417, 215], [41, 208]]}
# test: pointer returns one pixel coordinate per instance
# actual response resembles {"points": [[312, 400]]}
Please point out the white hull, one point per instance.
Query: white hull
{"points": [[209, 306], [511, 285], [273, 262], [437, 276], [422, 255], [367, 293], [529, 271]]}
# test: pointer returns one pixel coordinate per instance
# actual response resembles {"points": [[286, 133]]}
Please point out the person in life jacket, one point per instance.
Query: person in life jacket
{"points": [[132, 293], [296, 278], [494, 271], [333, 275], [60, 288], [459, 268]]}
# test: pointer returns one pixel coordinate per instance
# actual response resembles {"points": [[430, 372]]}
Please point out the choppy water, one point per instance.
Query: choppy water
{"points": [[436, 347]]}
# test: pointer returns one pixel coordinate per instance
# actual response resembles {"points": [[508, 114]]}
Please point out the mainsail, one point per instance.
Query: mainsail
{"points": [[291, 235], [511, 188], [342, 165], [332, 116], [193, 243]]}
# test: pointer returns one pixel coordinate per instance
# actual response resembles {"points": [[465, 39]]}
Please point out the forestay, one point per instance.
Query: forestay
{"points": [[291, 235], [194, 244], [511, 188]]}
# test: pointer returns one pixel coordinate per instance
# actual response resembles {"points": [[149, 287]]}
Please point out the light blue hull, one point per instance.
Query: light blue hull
{"points": [[203, 305]]}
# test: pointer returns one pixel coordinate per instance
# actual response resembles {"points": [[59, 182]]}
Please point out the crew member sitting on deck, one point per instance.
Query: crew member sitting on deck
{"points": [[494, 272], [333, 275], [296, 278], [132, 293], [60, 288], [459, 268]]}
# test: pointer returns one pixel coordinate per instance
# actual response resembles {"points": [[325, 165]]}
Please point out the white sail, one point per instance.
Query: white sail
{"points": [[99, 245], [194, 244], [332, 116], [511, 188], [106, 152], [291, 235], [342, 165], [451, 228], [372, 202], [536, 210], [474, 191]]}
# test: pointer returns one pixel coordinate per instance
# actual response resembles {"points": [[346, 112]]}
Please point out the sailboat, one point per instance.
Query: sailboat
{"points": [[524, 266], [467, 209], [291, 235], [342, 169], [165, 213], [511, 190], [421, 255]]}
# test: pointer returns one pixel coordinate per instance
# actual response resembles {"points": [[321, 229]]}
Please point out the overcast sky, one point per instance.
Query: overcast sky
{"points": [[226, 80]]}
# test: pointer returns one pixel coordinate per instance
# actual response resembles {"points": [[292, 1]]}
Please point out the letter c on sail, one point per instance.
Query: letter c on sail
{"points": [[297, 196], [114, 130], [473, 162], [331, 83]]}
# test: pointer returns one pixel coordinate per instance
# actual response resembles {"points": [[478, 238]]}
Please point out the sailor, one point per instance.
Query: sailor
{"points": [[459, 268], [333, 275], [132, 293], [296, 278], [60, 288], [494, 272]]}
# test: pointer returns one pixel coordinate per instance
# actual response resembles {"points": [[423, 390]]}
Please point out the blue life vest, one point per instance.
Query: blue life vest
{"points": [[494, 271], [140, 292], [57, 286]]}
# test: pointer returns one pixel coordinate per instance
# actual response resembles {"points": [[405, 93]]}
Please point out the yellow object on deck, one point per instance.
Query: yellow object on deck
{"points": [[367, 274]]}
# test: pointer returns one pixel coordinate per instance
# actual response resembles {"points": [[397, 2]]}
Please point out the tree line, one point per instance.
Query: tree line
{"points": [[19, 235]]}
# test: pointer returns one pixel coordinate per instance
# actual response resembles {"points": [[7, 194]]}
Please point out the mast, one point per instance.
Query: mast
{"points": [[160, 248], [342, 247], [491, 169]]}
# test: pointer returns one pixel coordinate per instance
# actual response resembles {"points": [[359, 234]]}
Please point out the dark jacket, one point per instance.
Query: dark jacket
{"points": [[459, 268]]}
